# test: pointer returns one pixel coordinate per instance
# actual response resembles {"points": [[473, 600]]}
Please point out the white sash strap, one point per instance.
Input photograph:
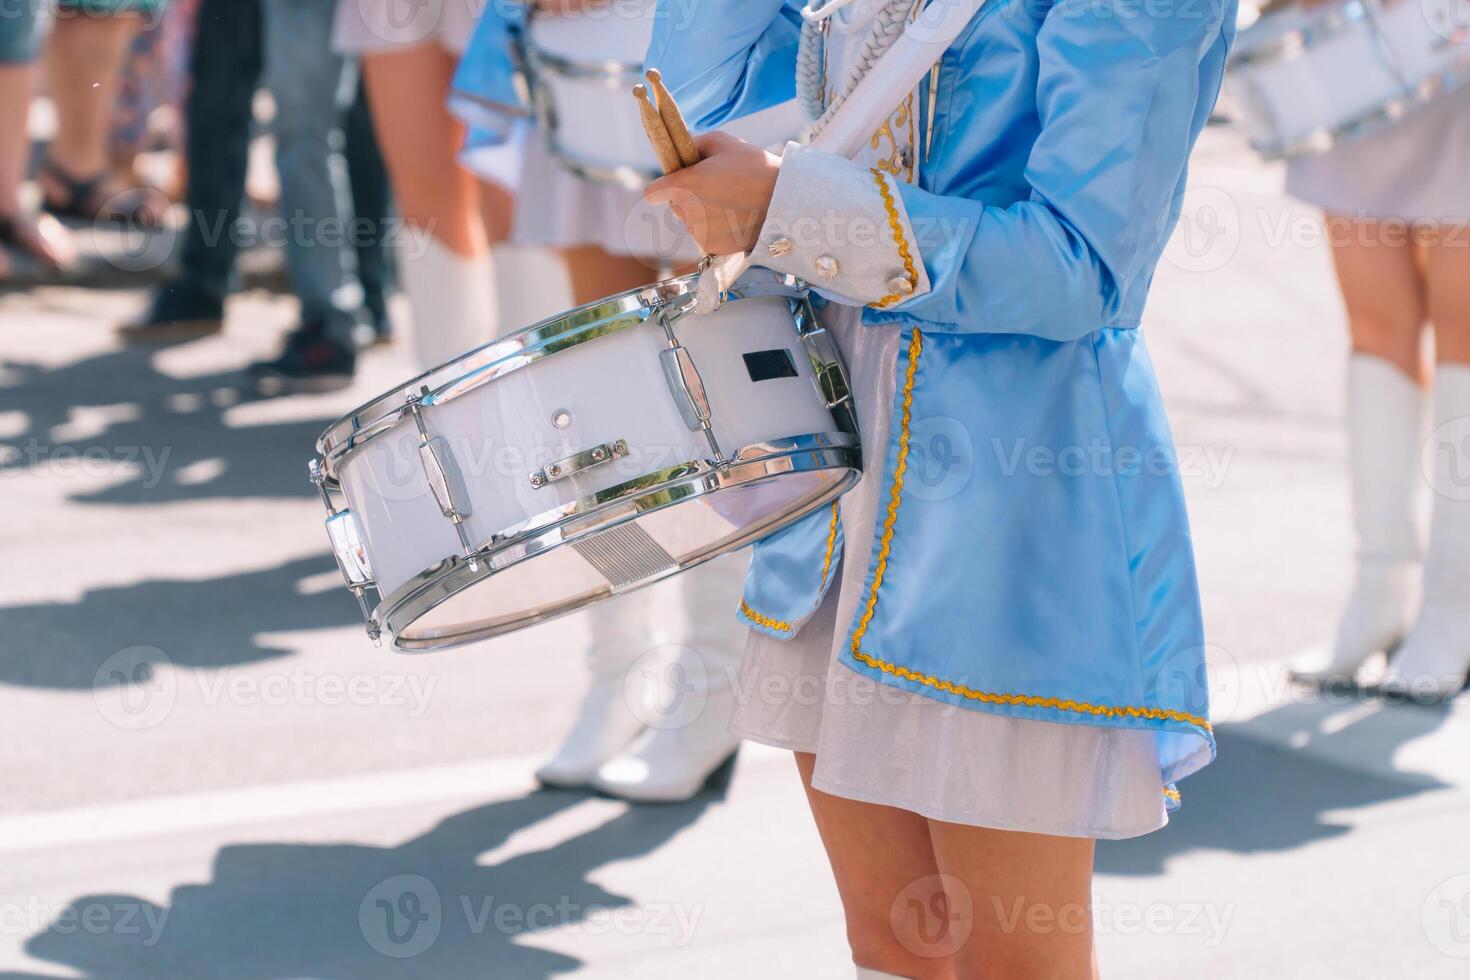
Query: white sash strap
{"points": [[899, 70]]}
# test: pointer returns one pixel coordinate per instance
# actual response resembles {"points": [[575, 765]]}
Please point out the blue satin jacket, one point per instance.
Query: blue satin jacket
{"points": [[1034, 558]]}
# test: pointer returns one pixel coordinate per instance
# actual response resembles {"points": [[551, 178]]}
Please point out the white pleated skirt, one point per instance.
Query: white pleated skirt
{"points": [[558, 209], [1416, 170], [881, 744]]}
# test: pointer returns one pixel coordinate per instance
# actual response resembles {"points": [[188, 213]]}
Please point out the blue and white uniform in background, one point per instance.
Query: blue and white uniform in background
{"points": [[1019, 546]]}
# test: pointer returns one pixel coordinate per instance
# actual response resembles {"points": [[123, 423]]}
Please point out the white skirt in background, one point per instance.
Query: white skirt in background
{"points": [[880, 744], [1418, 169], [558, 209], [376, 25]]}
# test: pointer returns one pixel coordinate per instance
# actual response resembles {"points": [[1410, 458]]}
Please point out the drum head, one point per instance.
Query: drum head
{"points": [[632, 542]]}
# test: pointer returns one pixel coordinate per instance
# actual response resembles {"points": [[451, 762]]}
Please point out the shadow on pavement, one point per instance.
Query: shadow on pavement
{"points": [[1261, 797], [179, 422], [422, 909], [196, 623]]}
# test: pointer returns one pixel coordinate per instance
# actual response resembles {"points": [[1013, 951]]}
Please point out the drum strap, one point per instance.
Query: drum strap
{"points": [[897, 72]]}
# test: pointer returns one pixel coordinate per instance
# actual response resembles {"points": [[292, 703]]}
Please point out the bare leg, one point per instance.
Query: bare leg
{"points": [[445, 268], [420, 141], [43, 238], [596, 273], [1378, 272], [83, 61], [1030, 896], [1447, 268], [888, 879]]}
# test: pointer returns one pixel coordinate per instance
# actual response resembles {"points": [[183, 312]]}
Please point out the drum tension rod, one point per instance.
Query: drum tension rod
{"points": [[681, 372], [357, 586], [446, 481]]}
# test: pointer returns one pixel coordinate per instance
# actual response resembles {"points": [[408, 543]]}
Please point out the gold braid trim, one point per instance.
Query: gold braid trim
{"points": [[1031, 701], [896, 227], [895, 500], [782, 626], [1172, 795]]}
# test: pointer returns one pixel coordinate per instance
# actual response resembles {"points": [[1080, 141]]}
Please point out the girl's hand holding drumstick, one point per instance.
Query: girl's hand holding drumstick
{"points": [[720, 187]]}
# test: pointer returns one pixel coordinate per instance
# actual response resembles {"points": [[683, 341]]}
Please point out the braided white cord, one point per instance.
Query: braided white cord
{"points": [[890, 22]]}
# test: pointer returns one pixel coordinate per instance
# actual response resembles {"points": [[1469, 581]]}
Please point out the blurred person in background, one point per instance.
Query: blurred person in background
{"points": [[409, 55], [238, 44], [84, 60], [23, 236], [1397, 206]]}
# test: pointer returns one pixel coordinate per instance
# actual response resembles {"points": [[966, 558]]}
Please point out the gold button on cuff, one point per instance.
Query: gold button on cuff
{"points": [[900, 285], [779, 247], [827, 267]]}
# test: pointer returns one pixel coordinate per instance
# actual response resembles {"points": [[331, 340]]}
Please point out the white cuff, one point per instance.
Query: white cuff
{"points": [[843, 229]]}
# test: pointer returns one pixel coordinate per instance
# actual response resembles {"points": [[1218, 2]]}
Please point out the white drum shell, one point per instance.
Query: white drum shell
{"points": [[612, 388], [587, 105], [1305, 79]]}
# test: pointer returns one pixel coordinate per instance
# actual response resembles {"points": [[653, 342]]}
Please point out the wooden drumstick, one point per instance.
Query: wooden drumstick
{"points": [[653, 125], [668, 110]]}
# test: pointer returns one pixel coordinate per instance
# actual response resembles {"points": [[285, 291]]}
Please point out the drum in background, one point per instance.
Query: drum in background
{"points": [[585, 456], [1306, 79], [581, 68]]}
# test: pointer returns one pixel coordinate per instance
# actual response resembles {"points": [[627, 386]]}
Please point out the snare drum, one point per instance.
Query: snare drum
{"points": [[585, 456], [1306, 79], [581, 68]]}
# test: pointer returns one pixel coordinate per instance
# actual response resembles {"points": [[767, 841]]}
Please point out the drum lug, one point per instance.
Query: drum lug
{"points": [[579, 463], [682, 376], [446, 480], [348, 548]]}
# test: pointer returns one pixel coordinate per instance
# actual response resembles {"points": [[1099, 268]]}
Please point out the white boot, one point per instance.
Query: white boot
{"points": [[531, 285], [1385, 421], [452, 298], [1435, 659], [693, 696], [612, 713]]}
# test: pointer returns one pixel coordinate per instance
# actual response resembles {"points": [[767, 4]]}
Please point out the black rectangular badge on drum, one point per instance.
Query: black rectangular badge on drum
{"points": [[765, 365]]}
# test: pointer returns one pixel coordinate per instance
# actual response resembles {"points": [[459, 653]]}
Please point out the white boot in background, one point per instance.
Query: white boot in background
{"points": [[531, 285], [452, 298], [1385, 420], [612, 713], [1433, 663], [692, 696]]}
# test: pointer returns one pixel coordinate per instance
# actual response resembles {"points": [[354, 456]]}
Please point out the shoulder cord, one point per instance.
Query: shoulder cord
{"points": [[890, 22]]}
